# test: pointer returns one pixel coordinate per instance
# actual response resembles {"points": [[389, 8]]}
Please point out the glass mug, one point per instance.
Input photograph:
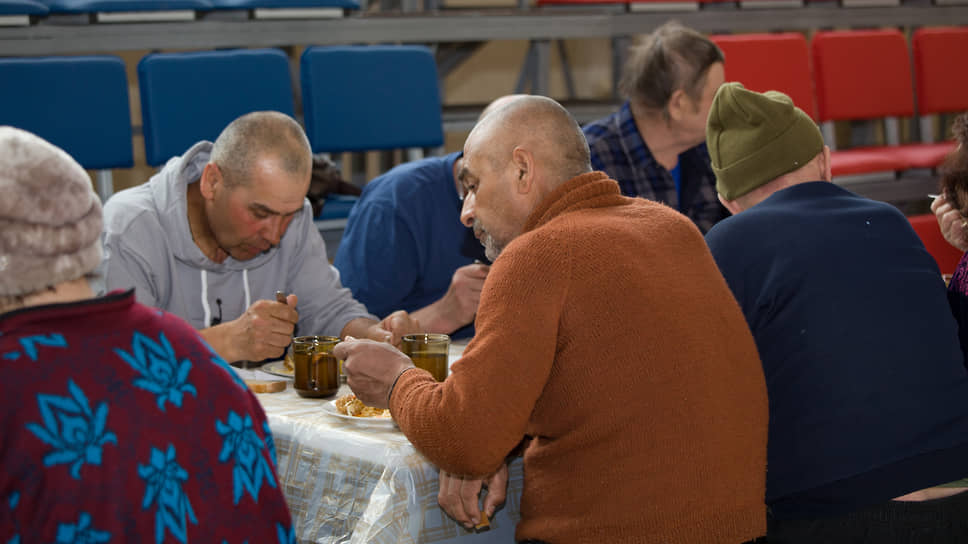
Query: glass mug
{"points": [[428, 351], [316, 368]]}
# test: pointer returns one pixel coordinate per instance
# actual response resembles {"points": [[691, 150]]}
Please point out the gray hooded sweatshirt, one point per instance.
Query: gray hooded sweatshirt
{"points": [[148, 245]]}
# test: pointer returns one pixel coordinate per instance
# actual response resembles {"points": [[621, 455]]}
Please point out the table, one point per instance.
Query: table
{"points": [[349, 482]]}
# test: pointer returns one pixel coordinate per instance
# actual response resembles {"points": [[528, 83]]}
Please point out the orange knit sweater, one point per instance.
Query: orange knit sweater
{"points": [[607, 339]]}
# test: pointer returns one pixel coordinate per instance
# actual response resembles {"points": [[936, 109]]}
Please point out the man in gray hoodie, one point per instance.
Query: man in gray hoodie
{"points": [[218, 231]]}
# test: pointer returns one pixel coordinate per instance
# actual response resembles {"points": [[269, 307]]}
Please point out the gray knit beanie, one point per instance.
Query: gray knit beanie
{"points": [[50, 217]]}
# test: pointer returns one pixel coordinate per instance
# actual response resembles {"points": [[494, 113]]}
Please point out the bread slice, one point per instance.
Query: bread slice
{"points": [[266, 386]]}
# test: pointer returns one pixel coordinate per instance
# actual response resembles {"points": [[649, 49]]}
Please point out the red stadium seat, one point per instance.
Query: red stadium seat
{"points": [[866, 75], [946, 255], [941, 76], [763, 62]]}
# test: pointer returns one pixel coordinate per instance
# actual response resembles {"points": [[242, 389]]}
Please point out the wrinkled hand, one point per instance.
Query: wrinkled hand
{"points": [[397, 325], [953, 225], [459, 496], [263, 331], [371, 368], [464, 294]]}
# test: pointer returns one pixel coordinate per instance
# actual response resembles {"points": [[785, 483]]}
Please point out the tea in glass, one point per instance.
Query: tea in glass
{"points": [[316, 368], [429, 352]]}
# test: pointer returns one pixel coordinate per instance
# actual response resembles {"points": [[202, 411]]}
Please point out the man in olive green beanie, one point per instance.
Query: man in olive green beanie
{"points": [[864, 372], [756, 138]]}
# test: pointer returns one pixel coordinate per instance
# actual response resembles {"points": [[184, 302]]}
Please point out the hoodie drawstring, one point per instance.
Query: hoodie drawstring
{"points": [[245, 284], [207, 319]]}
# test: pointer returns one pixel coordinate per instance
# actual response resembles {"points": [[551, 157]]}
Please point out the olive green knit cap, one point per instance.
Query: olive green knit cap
{"points": [[754, 138]]}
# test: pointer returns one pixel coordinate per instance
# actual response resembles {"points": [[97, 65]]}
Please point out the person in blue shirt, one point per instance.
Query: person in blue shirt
{"points": [[655, 144], [404, 246], [868, 392]]}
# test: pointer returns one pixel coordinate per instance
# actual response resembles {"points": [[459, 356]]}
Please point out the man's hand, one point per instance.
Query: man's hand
{"points": [[459, 496], [459, 304], [464, 293], [371, 368], [263, 331], [390, 330], [953, 225], [398, 324]]}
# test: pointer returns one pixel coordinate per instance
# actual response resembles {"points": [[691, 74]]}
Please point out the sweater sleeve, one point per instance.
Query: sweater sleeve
{"points": [[469, 423]]}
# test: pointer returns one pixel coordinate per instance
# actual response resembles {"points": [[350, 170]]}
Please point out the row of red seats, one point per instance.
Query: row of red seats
{"points": [[861, 75]]}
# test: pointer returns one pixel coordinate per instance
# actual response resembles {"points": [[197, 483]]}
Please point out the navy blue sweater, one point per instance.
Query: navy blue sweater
{"points": [[868, 391]]}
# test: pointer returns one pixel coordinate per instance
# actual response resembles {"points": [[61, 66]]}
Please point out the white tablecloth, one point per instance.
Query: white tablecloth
{"points": [[355, 482]]}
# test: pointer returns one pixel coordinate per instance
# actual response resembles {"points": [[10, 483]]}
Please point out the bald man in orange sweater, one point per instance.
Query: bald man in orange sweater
{"points": [[609, 351]]}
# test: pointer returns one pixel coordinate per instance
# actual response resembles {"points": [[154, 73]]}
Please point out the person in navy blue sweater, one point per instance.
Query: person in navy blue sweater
{"points": [[868, 392]]}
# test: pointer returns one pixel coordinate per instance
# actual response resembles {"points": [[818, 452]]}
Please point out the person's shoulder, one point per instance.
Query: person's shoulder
{"points": [[129, 206], [601, 129], [407, 178]]}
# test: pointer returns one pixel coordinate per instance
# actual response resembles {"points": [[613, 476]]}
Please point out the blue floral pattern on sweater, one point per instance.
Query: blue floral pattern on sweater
{"points": [[108, 432], [76, 433], [81, 532], [161, 371], [242, 443], [164, 477]]}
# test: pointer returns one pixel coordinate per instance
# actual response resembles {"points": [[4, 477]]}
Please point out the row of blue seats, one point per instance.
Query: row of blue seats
{"points": [[41, 8], [354, 98]]}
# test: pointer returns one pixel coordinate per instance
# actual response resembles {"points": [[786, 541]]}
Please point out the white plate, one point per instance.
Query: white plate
{"points": [[278, 368], [385, 422]]}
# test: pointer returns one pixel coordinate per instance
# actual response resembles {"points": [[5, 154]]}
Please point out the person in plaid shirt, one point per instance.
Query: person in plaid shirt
{"points": [[655, 144]]}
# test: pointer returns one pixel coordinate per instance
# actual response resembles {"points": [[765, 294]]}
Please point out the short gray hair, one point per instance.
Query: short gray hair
{"points": [[257, 134]]}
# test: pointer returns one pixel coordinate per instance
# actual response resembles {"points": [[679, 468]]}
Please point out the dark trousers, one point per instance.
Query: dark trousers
{"points": [[940, 521]]}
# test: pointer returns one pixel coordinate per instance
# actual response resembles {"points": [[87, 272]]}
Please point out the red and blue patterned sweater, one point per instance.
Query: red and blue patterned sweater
{"points": [[119, 424]]}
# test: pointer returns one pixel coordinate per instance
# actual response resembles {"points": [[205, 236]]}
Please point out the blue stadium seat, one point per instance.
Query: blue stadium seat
{"points": [[22, 7], [108, 6], [253, 4], [79, 104], [188, 97], [371, 97]]}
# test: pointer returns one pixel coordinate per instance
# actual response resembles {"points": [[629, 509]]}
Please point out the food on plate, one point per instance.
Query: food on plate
{"points": [[287, 361], [349, 405], [266, 386]]}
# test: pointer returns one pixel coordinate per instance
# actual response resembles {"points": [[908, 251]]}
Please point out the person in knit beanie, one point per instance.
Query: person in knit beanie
{"points": [[50, 221], [868, 430], [117, 418]]}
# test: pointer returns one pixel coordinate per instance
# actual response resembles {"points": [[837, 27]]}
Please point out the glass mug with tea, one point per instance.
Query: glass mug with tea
{"points": [[316, 368], [428, 351]]}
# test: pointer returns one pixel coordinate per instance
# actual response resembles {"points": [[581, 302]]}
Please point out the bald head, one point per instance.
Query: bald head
{"points": [[260, 134], [499, 103], [539, 125]]}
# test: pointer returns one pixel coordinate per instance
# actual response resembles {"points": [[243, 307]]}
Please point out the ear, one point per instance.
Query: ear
{"points": [[209, 182], [524, 169], [678, 104], [731, 205], [825, 169]]}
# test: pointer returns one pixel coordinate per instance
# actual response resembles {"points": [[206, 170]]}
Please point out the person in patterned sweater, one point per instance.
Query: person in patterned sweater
{"points": [[119, 423]]}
